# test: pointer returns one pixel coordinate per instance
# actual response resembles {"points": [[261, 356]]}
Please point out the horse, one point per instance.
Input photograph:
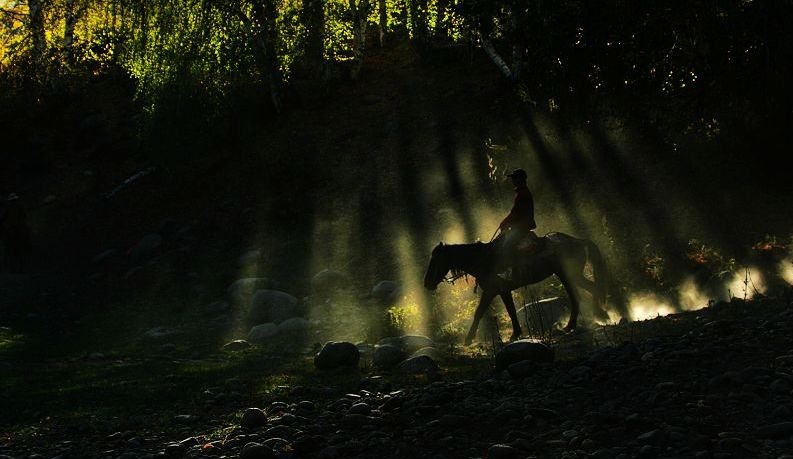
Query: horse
{"points": [[557, 253]]}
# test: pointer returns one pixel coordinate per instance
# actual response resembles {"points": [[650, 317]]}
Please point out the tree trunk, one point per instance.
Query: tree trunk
{"points": [[36, 26], [74, 10], [266, 14], [418, 20], [360, 14], [491, 52], [314, 22], [442, 22], [517, 44], [383, 19]]}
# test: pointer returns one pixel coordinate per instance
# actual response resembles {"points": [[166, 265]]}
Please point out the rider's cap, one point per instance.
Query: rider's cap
{"points": [[518, 173]]}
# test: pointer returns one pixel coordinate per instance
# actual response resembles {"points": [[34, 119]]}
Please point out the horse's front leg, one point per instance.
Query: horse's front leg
{"points": [[509, 303], [484, 302]]}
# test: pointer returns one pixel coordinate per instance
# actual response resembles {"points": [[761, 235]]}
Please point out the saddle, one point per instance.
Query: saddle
{"points": [[514, 262], [530, 244]]}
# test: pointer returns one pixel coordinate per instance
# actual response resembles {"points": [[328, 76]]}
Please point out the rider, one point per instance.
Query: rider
{"points": [[516, 228]]}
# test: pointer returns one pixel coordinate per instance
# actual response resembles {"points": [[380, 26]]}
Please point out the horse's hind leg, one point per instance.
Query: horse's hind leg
{"points": [[484, 302], [574, 307], [589, 286], [509, 303]]}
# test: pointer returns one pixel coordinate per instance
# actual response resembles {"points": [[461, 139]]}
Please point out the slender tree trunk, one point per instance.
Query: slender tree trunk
{"points": [[442, 22], [314, 22], [491, 52], [360, 15], [418, 19], [74, 10], [266, 14], [517, 44], [36, 26], [383, 19]]}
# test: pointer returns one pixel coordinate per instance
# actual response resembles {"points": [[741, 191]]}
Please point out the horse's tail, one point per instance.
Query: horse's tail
{"points": [[599, 272]]}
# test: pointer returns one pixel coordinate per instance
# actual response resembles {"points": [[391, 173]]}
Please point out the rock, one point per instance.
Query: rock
{"points": [[272, 306], [295, 325], [241, 291], [540, 316], [386, 292], [250, 259], [522, 369], [336, 355], [501, 451], [255, 450], [655, 437], [408, 343], [422, 364], [263, 332], [387, 355], [253, 417], [778, 430], [145, 249], [523, 350], [432, 352], [236, 345]]}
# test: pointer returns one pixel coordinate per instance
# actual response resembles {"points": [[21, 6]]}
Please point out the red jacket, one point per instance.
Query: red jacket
{"points": [[521, 217]]}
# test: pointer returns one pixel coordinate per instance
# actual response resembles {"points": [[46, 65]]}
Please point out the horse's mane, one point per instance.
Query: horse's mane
{"points": [[462, 257]]}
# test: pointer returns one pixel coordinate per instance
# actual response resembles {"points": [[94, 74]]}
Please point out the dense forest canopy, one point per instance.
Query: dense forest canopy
{"points": [[556, 51]]}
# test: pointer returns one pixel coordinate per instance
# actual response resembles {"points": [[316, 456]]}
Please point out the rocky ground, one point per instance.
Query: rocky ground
{"points": [[713, 383]]}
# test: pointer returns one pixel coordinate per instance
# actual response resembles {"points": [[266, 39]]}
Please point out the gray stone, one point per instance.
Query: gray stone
{"points": [[263, 332], [294, 325], [523, 350], [255, 450], [386, 292], [337, 354], [241, 291], [387, 355], [272, 306], [420, 364], [236, 345], [253, 417]]}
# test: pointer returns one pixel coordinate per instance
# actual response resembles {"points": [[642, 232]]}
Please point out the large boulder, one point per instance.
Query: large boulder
{"points": [[542, 315], [337, 354], [387, 355], [272, 306], [523, 350]]}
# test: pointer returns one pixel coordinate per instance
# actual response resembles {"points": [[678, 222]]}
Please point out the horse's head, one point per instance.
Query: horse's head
{"points": [[437, 269]]}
